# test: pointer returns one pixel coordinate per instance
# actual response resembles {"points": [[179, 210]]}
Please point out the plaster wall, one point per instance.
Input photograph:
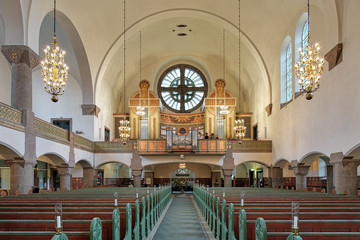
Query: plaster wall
{"points": [[84, 155], [44, 146], [102, 158], [305, 126], [264, 158], [13, 139], [77, 171]]}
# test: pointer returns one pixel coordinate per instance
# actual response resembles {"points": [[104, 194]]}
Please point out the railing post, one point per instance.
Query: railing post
{"points": [[213, 225], [143, 218], [95, 229], [116, 224], [136, 231], [260, 229], [242, 224], [61, 236], [152, 211], [128, 222], [218, 221], [148, 216], [223, 220], [231, 233]]}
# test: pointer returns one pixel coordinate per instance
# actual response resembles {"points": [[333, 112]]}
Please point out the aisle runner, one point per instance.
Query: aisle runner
{"points": [[181, 222]]}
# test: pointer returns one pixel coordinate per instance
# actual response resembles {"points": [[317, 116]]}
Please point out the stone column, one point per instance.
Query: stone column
{"points": [[228, 165], [330, 178], [65, 177], [275, 176], [137, 178], [21, 174], [301, 172], [345, 173], [136, 166], [23, 60], [88, 177], [227, 177]]}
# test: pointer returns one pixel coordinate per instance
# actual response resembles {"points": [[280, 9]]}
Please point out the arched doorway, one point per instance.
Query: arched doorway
{"points": [[182, 179]]}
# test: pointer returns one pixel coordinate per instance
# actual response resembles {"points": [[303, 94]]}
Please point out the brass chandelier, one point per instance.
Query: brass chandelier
{"points": [[310, 67], [124, 130], [124, 125], [240, 129], [54, 70]]}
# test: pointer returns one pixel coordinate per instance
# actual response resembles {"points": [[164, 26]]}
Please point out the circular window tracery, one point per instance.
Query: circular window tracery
{"points": [[182, 88]]}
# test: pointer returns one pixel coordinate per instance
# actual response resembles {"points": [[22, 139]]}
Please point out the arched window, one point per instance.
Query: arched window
{"points": [[286, 71], [301, 41], [289, 72]]}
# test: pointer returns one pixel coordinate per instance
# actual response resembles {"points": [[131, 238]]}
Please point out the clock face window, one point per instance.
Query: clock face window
{"points": [[182, 88]]}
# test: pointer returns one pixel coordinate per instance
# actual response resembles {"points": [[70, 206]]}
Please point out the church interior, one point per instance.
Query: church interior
{"points": [[207, 97]]}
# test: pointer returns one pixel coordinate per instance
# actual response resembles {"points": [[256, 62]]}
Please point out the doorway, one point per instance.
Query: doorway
{"points": [[259, 179], [56, 179], [251, 177]]}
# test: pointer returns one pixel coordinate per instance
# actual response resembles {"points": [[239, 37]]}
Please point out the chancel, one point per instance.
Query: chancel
{"points": [[186, 119]]}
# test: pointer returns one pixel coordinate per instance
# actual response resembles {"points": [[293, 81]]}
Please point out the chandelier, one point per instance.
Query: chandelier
{"points": [[240, 129], [310, 66], [124, 125], [54, 70], [224, 109], [182, 165], [140, 110], [124, 130]]}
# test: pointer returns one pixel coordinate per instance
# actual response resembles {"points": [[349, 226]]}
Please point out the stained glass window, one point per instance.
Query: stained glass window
{"points": [[182, 88]]}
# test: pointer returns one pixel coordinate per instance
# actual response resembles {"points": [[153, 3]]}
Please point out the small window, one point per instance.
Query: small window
{"points": [[64, 123]]}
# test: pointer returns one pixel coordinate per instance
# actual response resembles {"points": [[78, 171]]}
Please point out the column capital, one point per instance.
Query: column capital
{"points": [[20, 54], [136, 173], [302, 170], [228, 172], [339, 158], [19, 161], [64, 170]]}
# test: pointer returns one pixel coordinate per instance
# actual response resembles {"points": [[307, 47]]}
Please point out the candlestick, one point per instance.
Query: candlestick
{"points": [[242, 202], [137, 195], [116, 202], [296, 219], [58, 221]]}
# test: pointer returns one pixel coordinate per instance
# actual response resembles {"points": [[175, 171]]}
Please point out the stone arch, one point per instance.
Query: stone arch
{"points": [[281, 162], [310, 157], [8, 152], [53, 158], [13, 22], [110, 161], [354, 151], [84, 163]]}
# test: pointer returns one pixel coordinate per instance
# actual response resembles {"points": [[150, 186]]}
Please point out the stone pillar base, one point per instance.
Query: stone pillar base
{"points": [[137, 178], [21, 176], [227, 177], [65, 177]]}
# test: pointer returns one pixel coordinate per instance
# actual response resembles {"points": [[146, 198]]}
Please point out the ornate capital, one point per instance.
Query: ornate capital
{"points": [[90, 109], [65, 170], [20, 54]]}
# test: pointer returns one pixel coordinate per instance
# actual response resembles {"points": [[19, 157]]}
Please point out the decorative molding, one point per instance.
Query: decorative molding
{"points": [[50, 131], [252, 146], [83, 143], [113, 147], [90, 109], [268, 109], [10, 114], [334, 56], [182, 118], [21, 54]]}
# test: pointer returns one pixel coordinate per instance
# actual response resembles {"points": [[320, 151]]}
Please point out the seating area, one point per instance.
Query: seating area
{"points": [[320, 215], [33, 214]]}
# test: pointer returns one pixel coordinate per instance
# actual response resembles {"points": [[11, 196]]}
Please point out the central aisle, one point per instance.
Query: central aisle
{"points": [[181, 221]]}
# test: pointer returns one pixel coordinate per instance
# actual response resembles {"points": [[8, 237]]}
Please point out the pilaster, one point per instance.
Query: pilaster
{"points": [[22, 175]]}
